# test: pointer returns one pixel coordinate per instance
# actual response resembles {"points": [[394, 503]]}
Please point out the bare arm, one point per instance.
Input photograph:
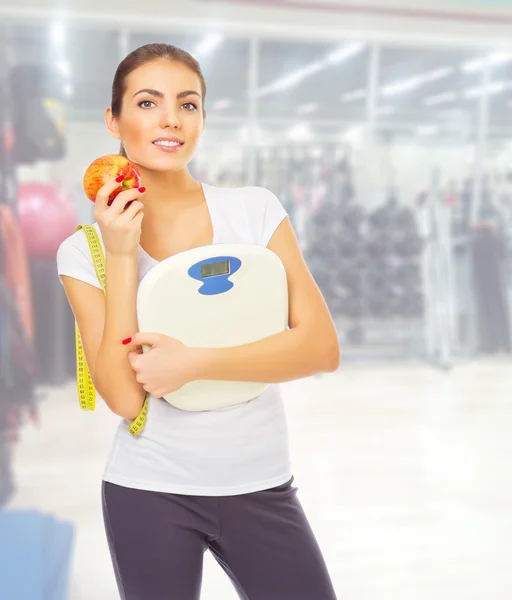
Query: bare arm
{"points": [[286, 356], [115, 378], [310, 346], [103, 322]]}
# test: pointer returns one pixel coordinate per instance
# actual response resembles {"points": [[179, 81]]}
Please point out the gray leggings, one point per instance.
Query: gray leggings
{"points": [[262, 540]]}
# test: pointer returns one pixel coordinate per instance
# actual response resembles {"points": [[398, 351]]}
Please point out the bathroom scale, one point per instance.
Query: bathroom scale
{"points": [[215, 296]]}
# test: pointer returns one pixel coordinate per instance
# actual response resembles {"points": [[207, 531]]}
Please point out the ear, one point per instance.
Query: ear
{"points": [[204, 121], [111, 123]]}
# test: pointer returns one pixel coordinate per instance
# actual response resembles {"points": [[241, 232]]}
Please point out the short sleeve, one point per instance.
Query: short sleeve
{"points": [[267, 212], [74, 260]]}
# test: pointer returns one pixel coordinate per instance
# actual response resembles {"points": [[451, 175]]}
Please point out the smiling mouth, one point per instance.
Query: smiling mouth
{"points": [[168, 144]]}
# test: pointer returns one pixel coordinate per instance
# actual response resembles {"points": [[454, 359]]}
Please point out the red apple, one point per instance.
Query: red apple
{"points": [[108, 167]]}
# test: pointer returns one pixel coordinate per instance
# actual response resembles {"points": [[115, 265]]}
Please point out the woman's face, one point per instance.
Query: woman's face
{"points": [[173, 109]]}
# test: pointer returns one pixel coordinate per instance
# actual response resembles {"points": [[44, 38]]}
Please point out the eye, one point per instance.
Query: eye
{"points": [[144, 102], [190, 104]]}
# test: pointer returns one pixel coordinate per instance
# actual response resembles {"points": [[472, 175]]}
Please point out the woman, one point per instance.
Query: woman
{"points": [[217, 480]]}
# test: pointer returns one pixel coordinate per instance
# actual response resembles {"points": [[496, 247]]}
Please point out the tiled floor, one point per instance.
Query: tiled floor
{"points": [[404, 471]]}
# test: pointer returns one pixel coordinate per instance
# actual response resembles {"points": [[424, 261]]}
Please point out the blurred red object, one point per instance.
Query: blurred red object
{"points": [[46, 217]]}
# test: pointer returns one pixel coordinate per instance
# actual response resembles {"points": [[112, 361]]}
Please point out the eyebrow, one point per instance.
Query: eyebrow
{"points": [[159, 94]]}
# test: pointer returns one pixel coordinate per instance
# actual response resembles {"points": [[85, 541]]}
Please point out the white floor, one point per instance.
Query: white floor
{"points": [[404, 471]]}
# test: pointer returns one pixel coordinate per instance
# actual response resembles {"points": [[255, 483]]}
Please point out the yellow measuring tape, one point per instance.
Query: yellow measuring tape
{"points": [[86, 390]]}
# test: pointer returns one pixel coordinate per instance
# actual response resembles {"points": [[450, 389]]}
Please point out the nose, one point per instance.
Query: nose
{"points": [[170, 118]]}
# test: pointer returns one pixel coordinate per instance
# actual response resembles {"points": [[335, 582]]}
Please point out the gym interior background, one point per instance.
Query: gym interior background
{"points": [[386, 133]]}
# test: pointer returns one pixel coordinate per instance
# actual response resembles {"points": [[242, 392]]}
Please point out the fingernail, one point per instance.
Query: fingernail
{"points": [[120, 178], [127, 341], [142, 190]]}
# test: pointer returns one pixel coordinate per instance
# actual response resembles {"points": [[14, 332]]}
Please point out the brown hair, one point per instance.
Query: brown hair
{"points": [[141, 56]]}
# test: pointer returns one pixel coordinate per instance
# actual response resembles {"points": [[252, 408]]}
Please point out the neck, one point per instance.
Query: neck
{"points": [[167, 188]]}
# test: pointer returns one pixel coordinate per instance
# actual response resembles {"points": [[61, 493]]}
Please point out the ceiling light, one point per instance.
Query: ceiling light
{"points": [[208, 44], [494, 59], [295, 77], [222, 104], [344, 52], [64, 67], [440, 99], [492, 89], [411, 83], [58, 33]]}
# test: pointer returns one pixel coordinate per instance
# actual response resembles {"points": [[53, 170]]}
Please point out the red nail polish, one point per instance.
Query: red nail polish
{"points": [[127, 341], [120, 178], [142, 190]]}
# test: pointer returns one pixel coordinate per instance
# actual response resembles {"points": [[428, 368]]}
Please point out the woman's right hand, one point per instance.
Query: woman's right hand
{"points": [[120, 228]]}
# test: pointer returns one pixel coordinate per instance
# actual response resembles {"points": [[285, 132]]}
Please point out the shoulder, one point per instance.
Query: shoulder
{"points": [[262, 211], [76, 244], [251, 195], [75, 260], [262, 201], [262, 198]]}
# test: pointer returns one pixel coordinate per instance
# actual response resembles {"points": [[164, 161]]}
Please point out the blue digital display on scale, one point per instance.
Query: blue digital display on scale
{"points": [[213, 269], [214, 273]]}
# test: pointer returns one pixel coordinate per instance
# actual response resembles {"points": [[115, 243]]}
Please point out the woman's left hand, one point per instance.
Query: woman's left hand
{"points": [[166, 367]]}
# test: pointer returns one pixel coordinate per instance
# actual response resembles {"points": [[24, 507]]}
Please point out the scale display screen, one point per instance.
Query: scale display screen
{"points": [[212, 269]]}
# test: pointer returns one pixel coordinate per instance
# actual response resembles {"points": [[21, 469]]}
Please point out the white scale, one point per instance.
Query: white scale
{"points": [[215, 296]]}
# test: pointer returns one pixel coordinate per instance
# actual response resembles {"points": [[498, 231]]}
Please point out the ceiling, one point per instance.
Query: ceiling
{"points": [[434, 9], [93, 57]]}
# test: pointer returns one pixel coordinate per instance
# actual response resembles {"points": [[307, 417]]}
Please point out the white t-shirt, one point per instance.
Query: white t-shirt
{"points": [[233, 451]]}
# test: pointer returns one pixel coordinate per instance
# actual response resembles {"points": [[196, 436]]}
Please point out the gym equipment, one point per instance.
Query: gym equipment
{"points": [[352, 306], [404, 219], [349, 244], [39, 117], [408, 276], [408, 245], [382, 217], [352, 215], [54, 321], [412, 305], [349, 276], [46, 218], [355, 335], [378, 245], [17, 381], [384, 304]]}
